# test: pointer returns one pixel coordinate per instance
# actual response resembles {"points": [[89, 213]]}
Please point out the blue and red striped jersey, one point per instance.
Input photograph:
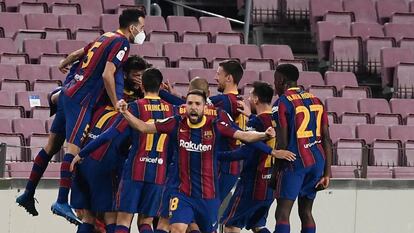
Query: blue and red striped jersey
{"points": [[304, 115], [148, 151], [228, 103], [196, 146], [87, 85]]}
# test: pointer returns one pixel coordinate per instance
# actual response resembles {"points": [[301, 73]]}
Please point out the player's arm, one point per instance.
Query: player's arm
{"points": [[327, 147], [133, 121], [109, 81], [71, 58], [254, 136], [170, 98], [240, 153], [282, 131]]}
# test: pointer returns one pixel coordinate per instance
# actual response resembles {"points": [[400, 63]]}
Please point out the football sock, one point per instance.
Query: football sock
{"points": [[145, 228], [39, 166], [121, 229], [263, 230], [282, 228], [160, 231], [85, 228], [110, 228], [308, 229], [65, 178]]}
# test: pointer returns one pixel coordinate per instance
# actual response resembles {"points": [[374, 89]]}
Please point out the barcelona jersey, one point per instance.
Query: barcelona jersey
{"points": [[304, 115]]}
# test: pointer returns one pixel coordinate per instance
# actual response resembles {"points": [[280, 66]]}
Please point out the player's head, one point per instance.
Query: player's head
{"points": [[286, 75], [151, 80], [261, 94], [200, 84], [196, 100], [133, 68], [229, 72], [132, 22]]}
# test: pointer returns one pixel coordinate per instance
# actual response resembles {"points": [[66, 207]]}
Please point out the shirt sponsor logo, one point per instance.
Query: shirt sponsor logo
{"points": [[78, 77], [191, 146], [159, 161], [312, 144], [267, 176], [208, 134], [92, 136]]}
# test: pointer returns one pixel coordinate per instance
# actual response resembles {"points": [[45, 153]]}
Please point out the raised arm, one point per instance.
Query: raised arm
{"points": [[109, 81], [134, 122], [71, 58], [254, 136]]}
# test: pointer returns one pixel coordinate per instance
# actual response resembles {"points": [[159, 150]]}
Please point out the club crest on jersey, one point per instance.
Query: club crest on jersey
{"points": [[193, 147], [208, 134]]}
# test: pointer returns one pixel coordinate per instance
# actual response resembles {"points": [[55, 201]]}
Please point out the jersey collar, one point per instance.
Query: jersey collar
{"points": [[120, 32], [293, 89], [233, 92], [152, 97], [198, 125]]}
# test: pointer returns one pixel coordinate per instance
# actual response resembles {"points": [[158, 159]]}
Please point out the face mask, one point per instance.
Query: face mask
{"points": [[139, 38]]}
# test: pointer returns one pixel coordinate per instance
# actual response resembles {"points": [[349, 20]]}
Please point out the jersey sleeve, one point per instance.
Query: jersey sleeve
{"points": [[240, 153], [119, 51], [170, 98], [225, 128], [166, 125], [324, 120], [123, 124]]}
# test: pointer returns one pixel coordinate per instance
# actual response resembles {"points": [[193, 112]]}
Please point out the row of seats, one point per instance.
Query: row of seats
{"points": [[373, 172], [90, 7], [22, 170]]}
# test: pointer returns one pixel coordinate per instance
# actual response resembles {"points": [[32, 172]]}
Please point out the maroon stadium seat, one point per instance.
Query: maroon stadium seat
{"points": [[160, 37], [214, 25], [31, 99], [15, 85], [355, 118], [308, 78], [36, 47], [158, 62], [182, 24], [410, 120], [90, 7], [249, 76], [174, 51], [155, 23], [404, 173], [109, 6], [341, 131], [51, 59], [14, 58], [341, 79], [364, 10], [385, 153], [69, 46], [8, 71], [376, 172], [37, 142], [402, 132], [339, 17], [40, 113], [403, 81], [399, 30], [110, 23], [7, 98], [409, 153], [11, 28], [341, 105], [244, 52], [405, 18], [323, 92], [55, 74], [181, 88], [32, 72], [46, 85], [350, 152], [374, 106], [267, 76], [11, 5], [326, 31], [145, 49], [390, 57], [348, 172], [211, 51], [32, 7], [385, 8], [372, 132], [402, 106], [372, 50], [87, 34], [23, 35], [192, 62], [28, 126], [5, 125], [318, 9], [407, 43], [7, 45], [58, 33], [74, 22], [346, 54], [196, 37], [11, 112], [65, 9], [258, 64], [50, 2], [175, 75], [276, 52], [228, 38], [356, 92], [365, 30], [13, 153], [387, 119], [300, 64], [208, 74], [41, 21]]}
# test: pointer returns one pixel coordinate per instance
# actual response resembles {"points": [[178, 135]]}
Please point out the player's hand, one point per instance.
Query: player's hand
{"points": [[74, 162], [121, 106], [243, 108], [62, 68], [323, 183], [284, 154], [270, 132]]}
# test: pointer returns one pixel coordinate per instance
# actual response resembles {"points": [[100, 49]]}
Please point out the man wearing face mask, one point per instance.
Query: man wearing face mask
{"points": [[93, 85]]}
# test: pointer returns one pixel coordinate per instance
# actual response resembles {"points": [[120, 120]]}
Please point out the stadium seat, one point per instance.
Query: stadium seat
{"points": [[399, 30], [11, 28], [323, 92], [349, 152], [385, 153], [249, 76], [228, 38], [402, 132], [40, 113], [32, 7], [341, 131], [51, 59], [191, 62], [299, 63], [65, 9], [14, 58], [409, 120], [364, 10], [68, 46], [32, 72], [28, 126], [16, 141], [403, 82], [356, 92], [182, 24], [160, 37], [50, 2], [346, 172], [7, 98], [309, 78], [355, 118], [15, 85], [8, 71], [387, 119], [377, 172], [341, 79], [244, 52], [41, 21], [109, 22], [158, 62], [58, 33], [145, 49], [55, 73], [390, 57], [213, 25], [258, 64], [7, 46], [404, 173], [211, 51], [340, 105], [46, 85], [174, 51], [11, 5], [404, 18], [373, 106], [409, 153], [5, 125], [366, 30], [402, 106], [31, 99], [267, 76], [339, 17], [155, 23], [318, 9], [36, 142], [87, 34], [385, 9], [90, 7], [346, 54], [407, 43], [208, 74], [175, 75], [372, 50], [326, 31], [276, 52], [11, 112], [74, 22], [181, 88], [34, 48], [109, 6], [370, 133], [196, 37], [23, 35]]}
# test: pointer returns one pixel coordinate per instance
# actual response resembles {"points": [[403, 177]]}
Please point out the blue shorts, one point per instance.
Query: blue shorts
{"points": [[139, 197], [77, 118], [300, 182], [226, 183], [186, 209], [95, 185], [59, 122], [165, 201], [244, 212]]}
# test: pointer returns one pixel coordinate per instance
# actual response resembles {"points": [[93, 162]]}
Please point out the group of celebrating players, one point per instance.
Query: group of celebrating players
{"points": [[136, 146]]}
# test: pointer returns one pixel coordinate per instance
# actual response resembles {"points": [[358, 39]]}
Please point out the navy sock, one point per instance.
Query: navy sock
{"points": [[308, 229], [145, 228], [121, 229], [85, 228], [263, 230], [39, 166], [65, 178], [110, 228], [160, 231], [194, 231], [282, 228]]}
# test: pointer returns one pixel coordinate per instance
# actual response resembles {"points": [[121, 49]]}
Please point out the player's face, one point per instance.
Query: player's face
{"points": [[221, 78], [279, 86], [195, 108], [252, 101], [135, 79], [135, 29]]}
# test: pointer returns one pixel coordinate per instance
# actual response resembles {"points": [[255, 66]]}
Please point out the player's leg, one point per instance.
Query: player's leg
{"points": [[88, 222], [226, 183], [144, 223], [282, 215], [305, 215], [206, 213], [193, 228], [123, 222], [163, 225], [110, 221], [182, 212]]}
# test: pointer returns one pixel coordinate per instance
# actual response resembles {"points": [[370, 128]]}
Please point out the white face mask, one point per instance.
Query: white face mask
{"points": [[139, 38]]}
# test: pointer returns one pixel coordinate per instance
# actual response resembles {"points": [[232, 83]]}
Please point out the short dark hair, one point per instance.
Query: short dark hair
{"points": [[290, 72], [152, 79], [199, 93], [135, 62], [233, 68], [130, 16], [263, 91]]}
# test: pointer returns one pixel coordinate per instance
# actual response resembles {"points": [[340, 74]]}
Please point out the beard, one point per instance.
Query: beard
{"points": [[195, 117], [220, 88]]}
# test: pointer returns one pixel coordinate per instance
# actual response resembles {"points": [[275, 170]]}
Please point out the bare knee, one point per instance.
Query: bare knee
{"points": [[124, 219], [231, 229], [110, 218], [178, 228], [163, 224]]}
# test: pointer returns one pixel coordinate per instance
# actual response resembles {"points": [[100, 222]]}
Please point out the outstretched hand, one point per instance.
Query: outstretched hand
{"points": [[122, 106], [74, 162], [270, 132], [243, 108], [284, 154]]}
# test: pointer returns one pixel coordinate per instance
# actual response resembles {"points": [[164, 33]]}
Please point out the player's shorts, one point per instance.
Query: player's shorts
{"points": [[226, 183], [244, 212], [165, 202], [186, 209], [294, 182], [139, 197], [77, 118], [96, 185], [59, 122]]}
